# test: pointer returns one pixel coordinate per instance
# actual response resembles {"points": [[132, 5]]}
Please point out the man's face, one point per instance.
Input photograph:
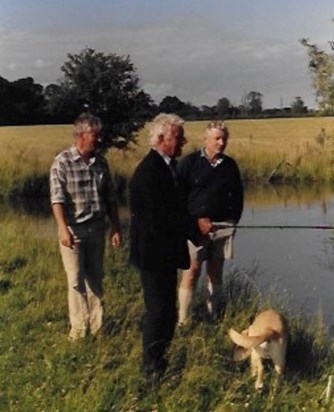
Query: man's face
{"points": [[215, 142], [88, 140], [173, 142]]}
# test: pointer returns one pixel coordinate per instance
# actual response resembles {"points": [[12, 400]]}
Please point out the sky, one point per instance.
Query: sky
{"points": [[197, 50]]}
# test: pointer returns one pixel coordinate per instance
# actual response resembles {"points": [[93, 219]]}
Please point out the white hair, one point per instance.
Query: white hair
{"points": [[161, 126], [85, 121], [216, 124]]}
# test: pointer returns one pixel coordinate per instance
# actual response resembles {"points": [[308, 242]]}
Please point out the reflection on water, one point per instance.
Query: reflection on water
{"points": [[288, 195], [297, 263]]}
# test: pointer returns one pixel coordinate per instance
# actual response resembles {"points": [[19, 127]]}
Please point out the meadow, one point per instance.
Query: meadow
{"points": [[298, 150], [41, 371]]}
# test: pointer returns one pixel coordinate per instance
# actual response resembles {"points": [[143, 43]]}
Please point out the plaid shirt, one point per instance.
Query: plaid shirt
{"points": [[83, 189]]}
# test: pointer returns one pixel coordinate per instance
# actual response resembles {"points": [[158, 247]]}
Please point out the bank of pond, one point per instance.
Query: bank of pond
{"points": [[41, 370]]}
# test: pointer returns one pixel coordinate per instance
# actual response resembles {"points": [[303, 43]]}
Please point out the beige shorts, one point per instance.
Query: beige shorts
{"points": [[219, 245]]}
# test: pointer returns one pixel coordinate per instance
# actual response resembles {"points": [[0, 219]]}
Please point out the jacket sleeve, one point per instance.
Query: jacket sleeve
{"points": [[237, 195]]}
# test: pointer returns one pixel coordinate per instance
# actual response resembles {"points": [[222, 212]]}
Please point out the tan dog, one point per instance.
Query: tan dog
{"points": [[265, 338]]}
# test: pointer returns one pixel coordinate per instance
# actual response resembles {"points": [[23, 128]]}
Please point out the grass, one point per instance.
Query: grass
{"points": [[27, 153], [304, 147], [41, 371]]}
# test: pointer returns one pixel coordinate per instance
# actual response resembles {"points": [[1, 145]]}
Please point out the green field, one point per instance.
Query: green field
{"points": [[259, 146], [41, 371]]}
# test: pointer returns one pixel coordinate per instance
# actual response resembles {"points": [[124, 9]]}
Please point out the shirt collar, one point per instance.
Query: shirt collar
{"points": [[77, 156], [166, 158], [220, 158]]}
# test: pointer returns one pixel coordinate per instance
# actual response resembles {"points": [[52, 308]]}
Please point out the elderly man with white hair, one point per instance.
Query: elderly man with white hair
{"points": [[214, 195], [158, 245]]}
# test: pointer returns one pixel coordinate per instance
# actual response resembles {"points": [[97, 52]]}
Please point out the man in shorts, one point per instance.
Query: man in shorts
{"points": [[213, 191]]}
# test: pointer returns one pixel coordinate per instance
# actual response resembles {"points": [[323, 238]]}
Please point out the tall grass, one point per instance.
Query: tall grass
{"points": [[27, 153], [304, 147], [41, 371]]}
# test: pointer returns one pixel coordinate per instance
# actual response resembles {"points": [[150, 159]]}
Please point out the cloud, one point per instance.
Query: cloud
{"points": [[42, 64], [12, 66], [158, 89], [188, 57]]}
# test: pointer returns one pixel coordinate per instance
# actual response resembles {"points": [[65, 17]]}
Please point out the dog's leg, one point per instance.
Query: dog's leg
{"points": [[257, 370], [279, 368], [253, 364], [279, 363], [278, 377]]}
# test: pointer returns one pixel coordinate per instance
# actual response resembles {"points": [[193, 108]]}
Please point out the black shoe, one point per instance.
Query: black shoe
{"points": [[154, 372]]}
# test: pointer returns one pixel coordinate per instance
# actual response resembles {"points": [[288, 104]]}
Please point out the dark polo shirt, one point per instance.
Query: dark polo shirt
{"points": [[213, 191]]}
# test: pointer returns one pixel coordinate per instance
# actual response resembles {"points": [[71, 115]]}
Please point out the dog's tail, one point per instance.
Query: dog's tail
{"points": [[248, 342]]}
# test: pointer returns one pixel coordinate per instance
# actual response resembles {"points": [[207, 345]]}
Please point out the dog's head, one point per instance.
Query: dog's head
{"points": [[240, 354]]}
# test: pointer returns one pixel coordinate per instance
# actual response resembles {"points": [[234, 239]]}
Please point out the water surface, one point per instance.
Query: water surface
{"points": [[297, 263]]}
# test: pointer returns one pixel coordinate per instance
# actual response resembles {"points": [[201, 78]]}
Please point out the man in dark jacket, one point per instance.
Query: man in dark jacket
{"points": [[158, 245], [213, 193]]}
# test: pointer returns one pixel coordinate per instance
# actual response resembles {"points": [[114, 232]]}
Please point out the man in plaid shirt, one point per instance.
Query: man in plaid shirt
{"points": [[82, 195]]}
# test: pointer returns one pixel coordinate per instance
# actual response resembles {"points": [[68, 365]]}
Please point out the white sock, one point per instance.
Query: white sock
{"points": [[185, 299], [214, 293]]}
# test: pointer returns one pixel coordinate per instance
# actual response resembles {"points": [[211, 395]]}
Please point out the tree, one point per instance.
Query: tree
{"points": [[223, 107], [24, 101], [254, 102], [298, 106], [59, 106], [108, 86], [5, 97], [171, 104], [207, 112], [321, 66]]}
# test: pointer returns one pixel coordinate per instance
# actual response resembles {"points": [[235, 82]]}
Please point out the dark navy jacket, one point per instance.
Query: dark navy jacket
{"points": [[158, 228]]}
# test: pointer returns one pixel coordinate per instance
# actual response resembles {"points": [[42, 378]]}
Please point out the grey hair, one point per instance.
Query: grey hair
{"points": [[216, 124], [84, 121], [161, 126]]}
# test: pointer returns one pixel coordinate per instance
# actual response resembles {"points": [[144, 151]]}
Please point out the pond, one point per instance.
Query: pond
{"points": [[298, 264]]}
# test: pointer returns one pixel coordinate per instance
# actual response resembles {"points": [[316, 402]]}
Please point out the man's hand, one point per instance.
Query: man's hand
{"points": [[115, 239], [66, 237], [204, 225]]}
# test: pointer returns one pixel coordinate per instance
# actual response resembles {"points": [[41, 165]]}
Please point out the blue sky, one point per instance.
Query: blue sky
{"points": [[197, 50]]}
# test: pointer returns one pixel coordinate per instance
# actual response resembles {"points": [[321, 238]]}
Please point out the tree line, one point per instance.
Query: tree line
{"points": [[251, 107], [108, 85]]}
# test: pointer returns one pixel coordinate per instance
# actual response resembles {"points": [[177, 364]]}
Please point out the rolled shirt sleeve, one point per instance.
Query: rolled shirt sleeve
{"points": [[84, 190]]}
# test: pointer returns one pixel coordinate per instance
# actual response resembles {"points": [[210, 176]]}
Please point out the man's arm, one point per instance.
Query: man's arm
{"points": [[64, 235], [115, 237], [237, 195]]}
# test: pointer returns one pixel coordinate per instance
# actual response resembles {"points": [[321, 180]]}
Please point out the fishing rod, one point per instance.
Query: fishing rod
{"points": [[218, 225]]}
